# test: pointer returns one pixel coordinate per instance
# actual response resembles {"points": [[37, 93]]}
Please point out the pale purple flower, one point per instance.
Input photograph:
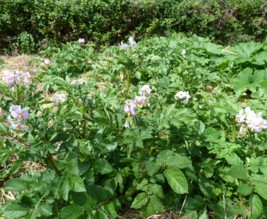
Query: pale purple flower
{"points": [[129, 107], [25, 76], [10, 78], [131, 104], [257, 124], [140, 101], [252, 120], [129, 110], [145, 90], [18, 113], [18, 126], [60, 98]]}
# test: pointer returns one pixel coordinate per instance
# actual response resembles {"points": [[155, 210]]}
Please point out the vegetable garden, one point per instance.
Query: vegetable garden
{"points": [[168, 124]]}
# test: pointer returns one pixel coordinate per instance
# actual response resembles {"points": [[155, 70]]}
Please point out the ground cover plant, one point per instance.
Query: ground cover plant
{"points": [[167, 124]]}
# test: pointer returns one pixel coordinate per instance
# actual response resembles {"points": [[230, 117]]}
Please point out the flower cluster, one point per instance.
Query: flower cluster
{"points": [[254, 121], [18, 77], [18, 115], [60, 98], [139, 101], [131, 41], [182, 95]]}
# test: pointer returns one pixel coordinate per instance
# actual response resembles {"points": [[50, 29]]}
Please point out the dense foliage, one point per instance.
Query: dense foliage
{"points": [[167, 124], [26, 25]]}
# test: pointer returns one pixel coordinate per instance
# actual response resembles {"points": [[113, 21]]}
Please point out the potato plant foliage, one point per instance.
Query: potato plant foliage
{"points": [[169, 124]]}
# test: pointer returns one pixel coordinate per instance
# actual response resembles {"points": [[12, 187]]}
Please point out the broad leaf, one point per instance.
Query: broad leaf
{"points": [[245, 189], [153, 206], [15, 185], [76, 184], [140, 200], [102, 166], [14, 210], [261, 189], [73, 211], [238, 172], [256, 207], [176, 180]]}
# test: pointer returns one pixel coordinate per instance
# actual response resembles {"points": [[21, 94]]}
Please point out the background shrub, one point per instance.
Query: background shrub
{"points": [[48, 22]]}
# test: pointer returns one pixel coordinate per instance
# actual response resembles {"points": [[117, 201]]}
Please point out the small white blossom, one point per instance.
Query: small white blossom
{"points": [[47, 61], [183, 52], [81, 40], [182, 95], [131, 41]]}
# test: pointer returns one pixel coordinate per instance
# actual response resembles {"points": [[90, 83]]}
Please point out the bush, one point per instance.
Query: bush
{"points": [[108, 22]]}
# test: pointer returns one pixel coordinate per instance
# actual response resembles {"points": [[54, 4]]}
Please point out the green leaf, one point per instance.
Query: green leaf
{"points": [[152, 167], [245, 50], [207, 187], [153, 206], [15, 185], [76, 184], [156, 189], [261, 189], [176, 180], [72, 166], [73, 211], [140, 200], [244, 189], [204, 215], [99, 214], [238, 172], [178, 161], [14, 210], [256, 207], [110, 208], [102, 166], [65, 189], [98, 193], [45, 210], [201, 128], [233, 159]]}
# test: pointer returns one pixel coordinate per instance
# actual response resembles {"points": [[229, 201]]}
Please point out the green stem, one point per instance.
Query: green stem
{"points": [[50, 159], [84, 121], [128, 82]]}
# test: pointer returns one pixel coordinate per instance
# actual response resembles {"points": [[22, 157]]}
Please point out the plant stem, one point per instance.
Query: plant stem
{"points": [[84, 121], [181, 211], [52, 162]]}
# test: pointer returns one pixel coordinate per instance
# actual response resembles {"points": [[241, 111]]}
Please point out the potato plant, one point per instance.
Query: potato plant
{"points": [[166, 124]]}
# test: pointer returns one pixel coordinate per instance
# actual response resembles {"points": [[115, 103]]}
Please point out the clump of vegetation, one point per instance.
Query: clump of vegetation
{"points": [[169, 123], [28, 25]]}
